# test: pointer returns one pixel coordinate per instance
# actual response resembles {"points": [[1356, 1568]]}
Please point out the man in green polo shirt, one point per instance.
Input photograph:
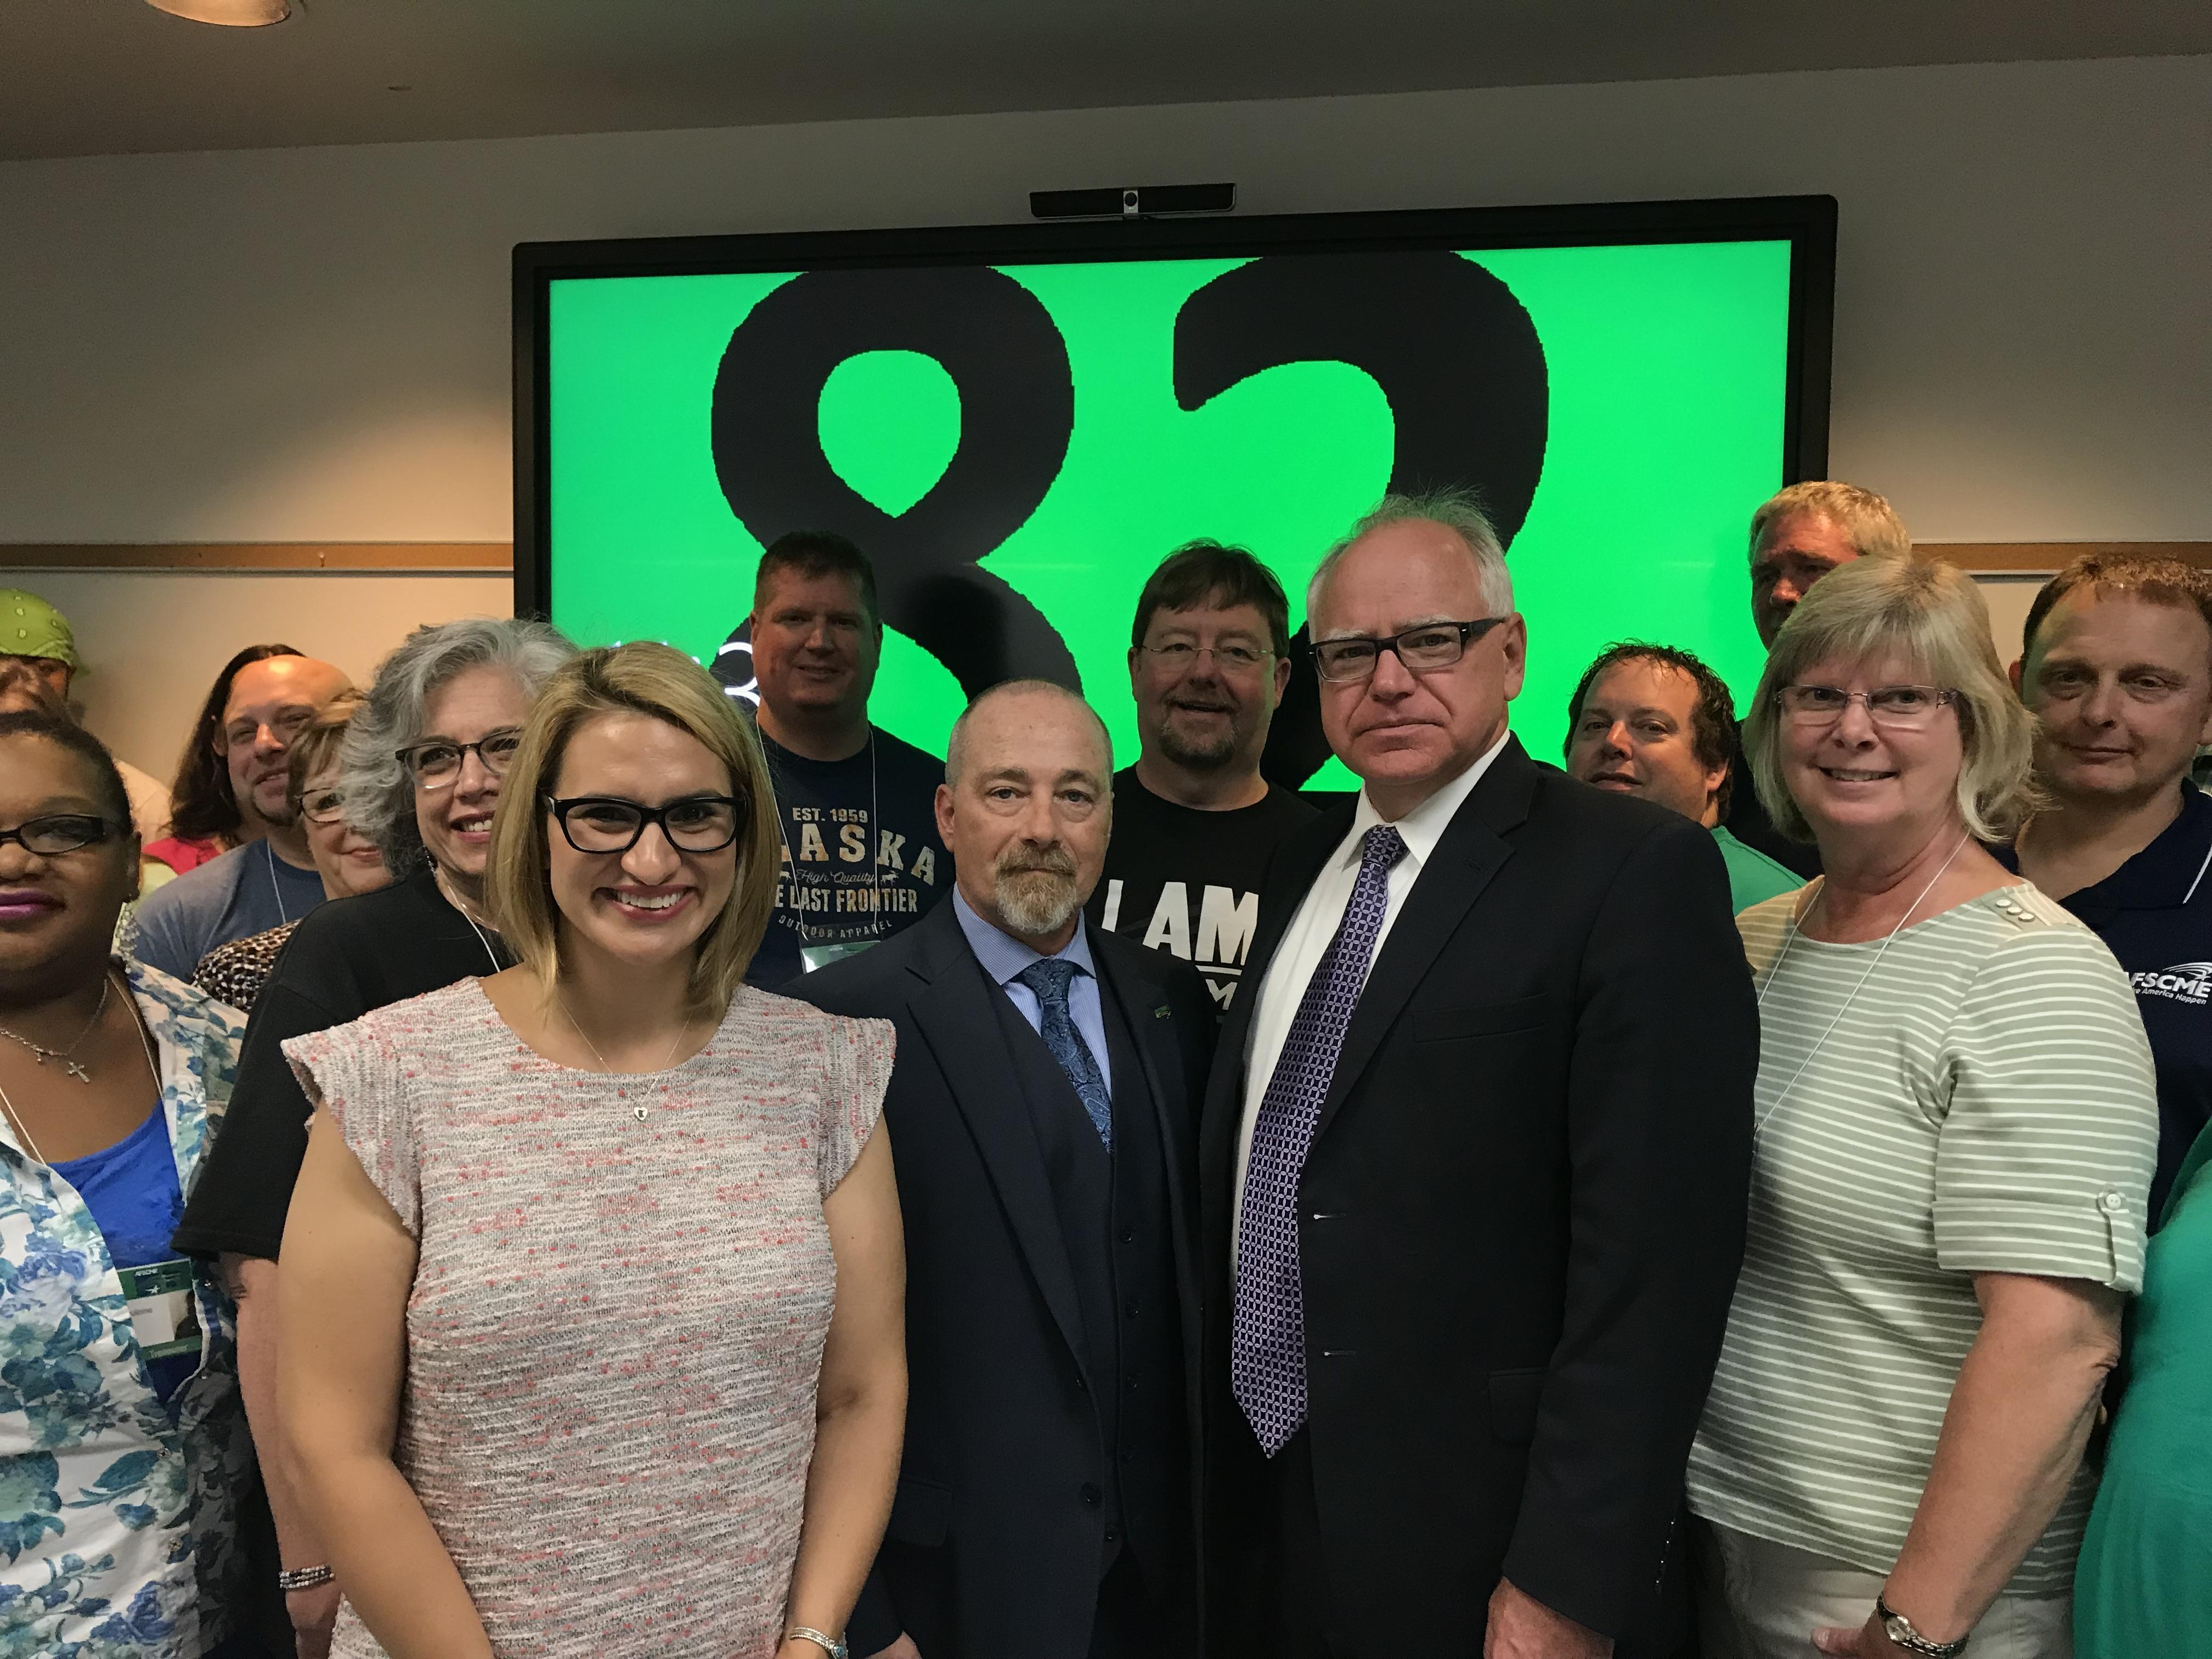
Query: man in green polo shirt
{"points": [[1650, 721]]}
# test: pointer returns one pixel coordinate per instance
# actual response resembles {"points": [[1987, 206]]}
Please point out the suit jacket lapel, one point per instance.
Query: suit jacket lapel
{"points": [[1160, 1064], [955, 1019], [1470, 851]]}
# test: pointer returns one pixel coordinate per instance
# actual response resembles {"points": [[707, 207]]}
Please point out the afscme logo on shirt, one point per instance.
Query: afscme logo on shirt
{"points": [[2185, 981]]}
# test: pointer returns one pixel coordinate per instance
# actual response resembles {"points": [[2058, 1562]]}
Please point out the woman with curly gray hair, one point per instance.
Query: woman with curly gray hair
{"points": [[1953, 1130], [419, 772]]}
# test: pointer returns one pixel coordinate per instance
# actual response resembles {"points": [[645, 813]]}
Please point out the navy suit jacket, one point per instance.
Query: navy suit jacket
{"points": [[996, 1533]]}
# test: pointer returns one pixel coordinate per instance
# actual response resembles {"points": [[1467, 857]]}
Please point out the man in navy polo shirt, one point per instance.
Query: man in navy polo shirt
{"points": [[2117, 662]]}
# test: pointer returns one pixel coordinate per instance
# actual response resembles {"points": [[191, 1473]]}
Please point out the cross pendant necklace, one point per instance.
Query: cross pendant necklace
{"points": [[74, 1066]]}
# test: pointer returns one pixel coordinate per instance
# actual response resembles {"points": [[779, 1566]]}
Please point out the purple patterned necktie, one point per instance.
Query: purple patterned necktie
{"points": [[1267, 1339]]}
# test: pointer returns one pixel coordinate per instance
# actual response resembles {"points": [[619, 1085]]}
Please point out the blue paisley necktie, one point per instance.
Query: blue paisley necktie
{"points": [[1049, 977]]}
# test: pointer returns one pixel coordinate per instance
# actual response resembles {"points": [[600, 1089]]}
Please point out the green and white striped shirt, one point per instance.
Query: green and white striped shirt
{"points": [[1986, 1104]]}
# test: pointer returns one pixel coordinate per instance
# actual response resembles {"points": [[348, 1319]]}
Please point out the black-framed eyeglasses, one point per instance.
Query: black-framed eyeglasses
{"points": [[1901, 708], [610, 823], [1432, 645], [322, 806], [436, 763], [60, 832]]}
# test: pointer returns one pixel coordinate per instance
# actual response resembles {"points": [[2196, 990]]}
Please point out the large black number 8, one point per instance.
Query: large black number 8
{"points": [[1016, 409]]}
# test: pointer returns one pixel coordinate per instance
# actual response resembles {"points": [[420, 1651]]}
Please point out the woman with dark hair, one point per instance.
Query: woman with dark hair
{"points": [[204, 818], [123, 1450], [420, 769]]}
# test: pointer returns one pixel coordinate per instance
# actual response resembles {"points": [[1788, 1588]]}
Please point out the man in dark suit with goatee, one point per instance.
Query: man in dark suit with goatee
{"points": [[1043, 1113]]}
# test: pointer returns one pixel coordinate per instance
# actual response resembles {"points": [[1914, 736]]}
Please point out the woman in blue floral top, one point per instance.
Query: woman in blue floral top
{"points": [[122, 1439]]}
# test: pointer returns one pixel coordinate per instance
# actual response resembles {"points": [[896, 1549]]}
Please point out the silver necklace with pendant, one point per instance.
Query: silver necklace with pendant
{"points": [[74, 1066], [153, 1066], [637, 1112]]}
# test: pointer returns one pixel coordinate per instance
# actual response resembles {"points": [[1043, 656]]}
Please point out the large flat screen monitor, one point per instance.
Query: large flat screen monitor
{"points": [[1018, 422]]}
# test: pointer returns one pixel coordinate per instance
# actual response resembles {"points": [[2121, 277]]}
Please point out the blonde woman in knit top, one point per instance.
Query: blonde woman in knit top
{"points": [[593, 1276]]}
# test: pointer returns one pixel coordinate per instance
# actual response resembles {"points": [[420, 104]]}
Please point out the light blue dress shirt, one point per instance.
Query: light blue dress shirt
{"points": [[1003, 956]]}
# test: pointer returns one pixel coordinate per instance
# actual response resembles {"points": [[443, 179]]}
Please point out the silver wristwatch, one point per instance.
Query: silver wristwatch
{"points": [[1896, 1627]]}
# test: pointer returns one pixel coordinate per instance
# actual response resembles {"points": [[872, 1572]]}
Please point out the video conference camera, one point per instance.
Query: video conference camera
{"points": [[1147, 201]]}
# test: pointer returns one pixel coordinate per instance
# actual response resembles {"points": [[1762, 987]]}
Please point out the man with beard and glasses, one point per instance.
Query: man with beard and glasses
{"points": [[271, 878], [1043, 1104], [1194, 822]]}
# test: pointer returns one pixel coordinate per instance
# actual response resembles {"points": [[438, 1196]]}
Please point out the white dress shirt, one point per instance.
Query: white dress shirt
{"points": [[1319, 915]]}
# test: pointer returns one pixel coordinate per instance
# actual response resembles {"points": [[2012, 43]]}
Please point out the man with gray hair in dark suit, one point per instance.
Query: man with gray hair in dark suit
{"points": [[1475, 1161]]}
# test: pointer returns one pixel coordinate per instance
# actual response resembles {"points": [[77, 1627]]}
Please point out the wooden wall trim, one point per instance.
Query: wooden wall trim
{"points": [[2048, 558], [339, 558], [497, 558]]}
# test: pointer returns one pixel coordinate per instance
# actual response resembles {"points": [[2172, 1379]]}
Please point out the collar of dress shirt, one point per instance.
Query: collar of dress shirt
{"points": [[1424, 826], [1003, 956]]}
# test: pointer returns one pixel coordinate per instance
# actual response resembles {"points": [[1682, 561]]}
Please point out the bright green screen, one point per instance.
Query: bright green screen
{"points": [[1667, 369]]}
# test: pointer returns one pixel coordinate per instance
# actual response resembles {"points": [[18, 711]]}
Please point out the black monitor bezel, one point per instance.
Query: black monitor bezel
{"points": [[1806, 222]]}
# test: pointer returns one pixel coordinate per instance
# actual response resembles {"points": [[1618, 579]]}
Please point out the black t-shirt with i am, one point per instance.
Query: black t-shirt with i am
{"points": [[828, 894], [1187, 881]]}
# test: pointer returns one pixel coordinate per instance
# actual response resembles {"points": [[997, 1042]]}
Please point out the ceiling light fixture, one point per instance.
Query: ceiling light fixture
{"points": [[230, 14]]}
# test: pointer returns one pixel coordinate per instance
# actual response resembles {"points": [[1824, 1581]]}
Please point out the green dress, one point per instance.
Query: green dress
{"points": [[2144, 1586]]}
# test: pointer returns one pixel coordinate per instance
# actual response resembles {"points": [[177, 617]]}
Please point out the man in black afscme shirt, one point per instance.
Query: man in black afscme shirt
{"points": [[1194, 821]]}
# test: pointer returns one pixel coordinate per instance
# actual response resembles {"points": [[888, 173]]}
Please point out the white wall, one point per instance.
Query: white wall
{"points": [[152, 641], [314, 343]]}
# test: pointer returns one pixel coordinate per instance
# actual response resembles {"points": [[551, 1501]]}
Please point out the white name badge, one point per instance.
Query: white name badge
{"points": [[814, 956], [163, 1316]]}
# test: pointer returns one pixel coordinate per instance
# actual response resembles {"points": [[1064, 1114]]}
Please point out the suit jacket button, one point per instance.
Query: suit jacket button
{"points": [[1089, 1494]]}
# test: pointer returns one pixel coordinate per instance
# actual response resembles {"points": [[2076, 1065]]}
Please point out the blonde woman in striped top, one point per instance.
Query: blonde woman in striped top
{"points": [[1955, 1126]]}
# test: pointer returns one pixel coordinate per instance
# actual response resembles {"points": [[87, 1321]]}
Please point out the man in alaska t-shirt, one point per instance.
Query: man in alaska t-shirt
{"points": [[1194, 821], [855, 805]]}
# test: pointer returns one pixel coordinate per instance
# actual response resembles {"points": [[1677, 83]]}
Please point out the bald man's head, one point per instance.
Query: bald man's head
{"points": [[1070, 703], [271, 702], [1026, 808]]}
